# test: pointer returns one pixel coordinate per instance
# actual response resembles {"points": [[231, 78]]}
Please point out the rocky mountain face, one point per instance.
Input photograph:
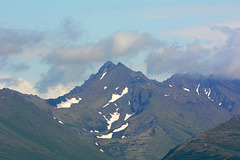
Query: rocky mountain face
{"points": [[28, 130], [129, 116], [220, 142]]}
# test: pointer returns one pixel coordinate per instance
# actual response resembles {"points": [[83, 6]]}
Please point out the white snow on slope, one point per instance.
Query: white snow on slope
{"points": [[96, 143], [121, 128], [54, 118], [197, 90], [103, 75], [107, 136], [128, 116], [106, 105], [208, 93], [68, 103], [60, 122], [116, 96], [101, 150], [166, 95], [123, 136], [114, 117], [170, 85], [186, 89], [105, 87], [220, 104], [116, 88]]}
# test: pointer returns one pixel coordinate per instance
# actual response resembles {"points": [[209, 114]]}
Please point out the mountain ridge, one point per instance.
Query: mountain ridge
{"points": [[220, 142], [150, 107], [128, 116]]}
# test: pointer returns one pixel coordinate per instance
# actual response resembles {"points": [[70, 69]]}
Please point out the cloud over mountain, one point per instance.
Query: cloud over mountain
{"points": [[222, 60], [69, 63]]}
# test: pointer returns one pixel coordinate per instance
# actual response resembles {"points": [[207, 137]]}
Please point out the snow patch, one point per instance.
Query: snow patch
{"points": [[129, 103], [116, 97], [121, 128], [128, 116], [103, 75], [208, 93], [116, 88], [205, 90], [54, 118], [115, 104], [220, 104], [186, 89], [105, 87], [101, 150], [100, 112], [96, 144], [107, 136], [60, 122], [96, 131], [197, 90], [68, 103], [123, 136], [91, 131], [166, 95], [170, 85], [106, 105], [114, 117]]}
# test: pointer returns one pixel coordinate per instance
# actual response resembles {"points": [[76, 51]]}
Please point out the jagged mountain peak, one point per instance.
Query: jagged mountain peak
{"points": [[118, 103], [110, 66], [114, 75], [106, 65], [110, 78]]}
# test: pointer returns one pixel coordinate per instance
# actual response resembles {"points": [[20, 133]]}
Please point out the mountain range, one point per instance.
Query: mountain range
{"points": [[119, 113]]}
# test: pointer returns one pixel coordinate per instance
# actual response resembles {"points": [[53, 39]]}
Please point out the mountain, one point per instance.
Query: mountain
{"points": [[132, 117], [220, 142], [28, 130]]}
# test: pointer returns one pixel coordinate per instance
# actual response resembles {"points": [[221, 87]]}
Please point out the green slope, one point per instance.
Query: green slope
{"points": [[218, 143], [28, 132]]}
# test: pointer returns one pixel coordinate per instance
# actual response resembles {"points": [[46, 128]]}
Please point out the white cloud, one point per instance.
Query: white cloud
{"points": [[25, 87], [69, 64], [130, 42], [17, 83], [221, 60], [12, 41], [202, 33], [56, 91]]}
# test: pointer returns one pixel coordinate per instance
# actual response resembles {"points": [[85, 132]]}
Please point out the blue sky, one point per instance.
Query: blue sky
{"points": [[49, 46]]}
